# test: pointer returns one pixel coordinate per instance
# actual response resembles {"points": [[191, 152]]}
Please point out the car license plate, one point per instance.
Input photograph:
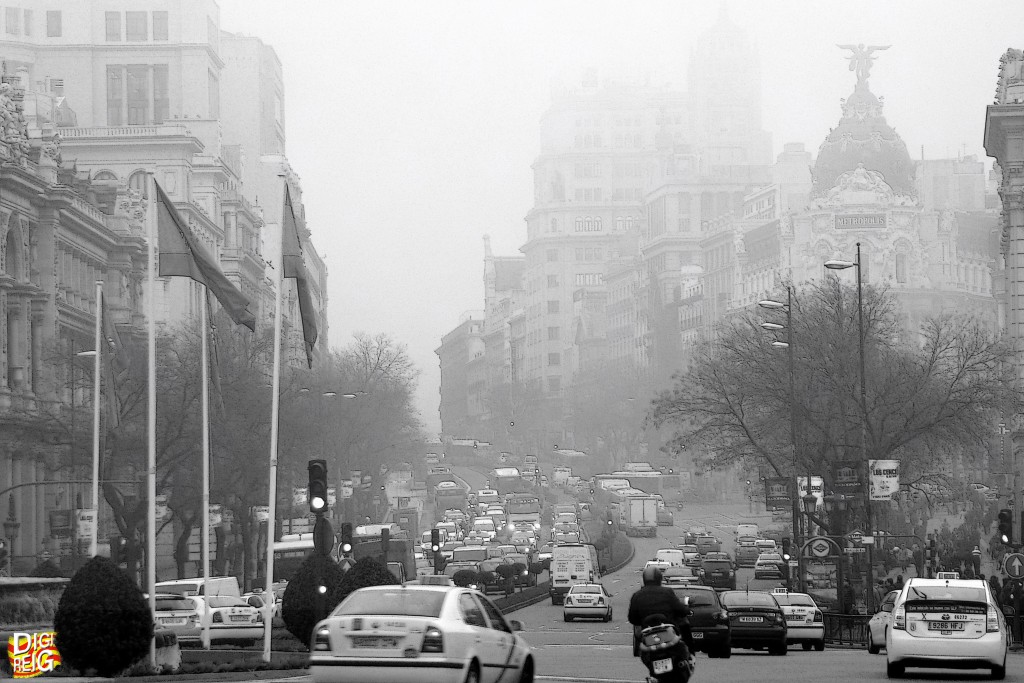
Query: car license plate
{"points": [[171, 620], [945, 626], [584, 601], [750, 620], [697, 635], [374, 641], [662, 666], [795, 617], [239, 617]]}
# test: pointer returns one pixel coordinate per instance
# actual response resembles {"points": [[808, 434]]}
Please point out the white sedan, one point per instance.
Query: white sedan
{"points": [[805, 624], [587, 600], [417, 633], [879, 624]]}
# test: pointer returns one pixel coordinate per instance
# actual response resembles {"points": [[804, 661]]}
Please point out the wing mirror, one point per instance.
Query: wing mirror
{"points": [[887, 607], [516, 625]]}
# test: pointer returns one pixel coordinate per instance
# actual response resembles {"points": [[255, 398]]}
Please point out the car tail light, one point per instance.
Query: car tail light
{"points": [[600, 601], [322, 640], [193, 618], [433, 640], [259, 618], [217, 618], [722, 616], [899, 618], [818, 617], [779, 618], [568, 600], [992, 620]]}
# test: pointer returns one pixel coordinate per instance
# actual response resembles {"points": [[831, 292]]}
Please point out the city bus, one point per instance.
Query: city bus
{"points": [[506, 480]]}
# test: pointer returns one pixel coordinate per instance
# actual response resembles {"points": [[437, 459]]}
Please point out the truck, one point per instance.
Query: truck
{"points": [[571, 563], [641, 516], [560, 475]]}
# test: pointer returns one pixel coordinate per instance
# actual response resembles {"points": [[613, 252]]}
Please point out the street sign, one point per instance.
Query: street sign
{"points": [[856, 536], [1013, 565], [820, 548], [852, 551], [794, 563]]}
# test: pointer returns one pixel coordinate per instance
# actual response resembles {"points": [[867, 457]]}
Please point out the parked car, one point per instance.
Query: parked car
{"points": [[756, 621], [587, 600], [430, 632], [709, 623], [878, 626]]}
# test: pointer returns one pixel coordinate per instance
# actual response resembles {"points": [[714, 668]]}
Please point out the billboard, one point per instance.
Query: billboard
{"points": [[885, 478], [777, 493], [847, 476]]}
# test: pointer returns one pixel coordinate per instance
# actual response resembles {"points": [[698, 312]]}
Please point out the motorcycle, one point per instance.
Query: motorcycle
{"points": [[665, 655]]}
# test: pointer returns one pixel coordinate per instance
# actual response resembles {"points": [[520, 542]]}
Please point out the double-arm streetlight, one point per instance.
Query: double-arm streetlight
{"points": [[836, 264]]}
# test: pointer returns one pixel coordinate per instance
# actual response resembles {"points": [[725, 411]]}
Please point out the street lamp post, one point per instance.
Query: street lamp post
{"points": [[11, 528], [843, 265], [789, 345]]}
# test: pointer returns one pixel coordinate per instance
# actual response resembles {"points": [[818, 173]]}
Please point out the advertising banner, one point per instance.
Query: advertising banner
{"points": [[885, 478], [85, 522], [261, 513], [777, 494], [817, 488], [848, 476], [299, 496], [332, 496], [215, 515]]}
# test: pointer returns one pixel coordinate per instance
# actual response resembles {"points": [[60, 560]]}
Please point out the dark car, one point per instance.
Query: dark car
{"points": [[706, 544], [756, 621], [718, 574], [709, 622]]}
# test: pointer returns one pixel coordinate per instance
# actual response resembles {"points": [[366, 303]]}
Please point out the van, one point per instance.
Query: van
{"points": [[215, 585], [571, 563], [746, 530]]}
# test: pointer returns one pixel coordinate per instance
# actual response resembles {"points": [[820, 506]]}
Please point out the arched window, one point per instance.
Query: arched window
{"points": [[579, 224], [137, 182], [104, 175], [620, 223], [597, 223], [588, 224], [554, 225], [12, 264]]}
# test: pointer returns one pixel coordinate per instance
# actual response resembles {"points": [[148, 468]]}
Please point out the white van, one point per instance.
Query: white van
{"points": [[485, 525], [217, 585], [746, 530], [671, 555], [571, 563]]}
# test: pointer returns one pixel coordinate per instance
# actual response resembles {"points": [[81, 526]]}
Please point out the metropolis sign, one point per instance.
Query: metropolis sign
{"points": [[860, 220]]}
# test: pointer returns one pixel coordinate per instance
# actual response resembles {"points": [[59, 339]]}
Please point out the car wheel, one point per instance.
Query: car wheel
{"points": [[873, 647], [894, 670], [527, 675], [819, 646], [567, 617], [725, 652], [473, 675], [778, 650], [807, 647]]}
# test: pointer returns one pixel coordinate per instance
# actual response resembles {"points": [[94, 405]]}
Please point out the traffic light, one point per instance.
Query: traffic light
{"points": [[118, 546], [435, 541], [346, 537], [317, 486], [787, 548], [1006, 526], [385, 540]]}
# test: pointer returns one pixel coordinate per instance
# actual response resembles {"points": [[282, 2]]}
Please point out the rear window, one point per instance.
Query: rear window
{"points": [[225, 601], [407, 601], [741, 599], [584, 589], [698, 597], [173, 604], [951, 593], [795, 600], [716, 565]]}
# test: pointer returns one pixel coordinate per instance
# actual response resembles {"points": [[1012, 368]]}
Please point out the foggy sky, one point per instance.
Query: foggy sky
{"points": [[414, 124]]}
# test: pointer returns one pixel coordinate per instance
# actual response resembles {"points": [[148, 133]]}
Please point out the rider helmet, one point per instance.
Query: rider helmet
{"points": [[652, 576]]}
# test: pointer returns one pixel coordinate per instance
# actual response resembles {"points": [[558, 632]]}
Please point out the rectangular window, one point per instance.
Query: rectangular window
{"points": [[554, 384], [901, 268], [13, 16], [160, 31], [115, 95], [53, 24], [554, 359], [138, 95], [135, 25], [113, 21], [553, 334], [552, 280], [553, 306], [161, 98], [214, 86], [28, 22], [552, 255]]}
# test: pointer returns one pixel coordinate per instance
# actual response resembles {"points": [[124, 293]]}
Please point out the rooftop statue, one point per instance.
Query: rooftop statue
{"points": [[861, 59]]}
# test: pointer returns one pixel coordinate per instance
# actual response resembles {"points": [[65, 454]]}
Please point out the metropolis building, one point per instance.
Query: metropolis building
{"points": [[95, 96]]}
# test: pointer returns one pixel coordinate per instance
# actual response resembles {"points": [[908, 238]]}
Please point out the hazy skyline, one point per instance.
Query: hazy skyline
{"points": [[413, 125]]}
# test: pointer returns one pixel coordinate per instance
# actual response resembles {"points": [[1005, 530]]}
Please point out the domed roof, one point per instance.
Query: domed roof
{"points": [[863, 137]]}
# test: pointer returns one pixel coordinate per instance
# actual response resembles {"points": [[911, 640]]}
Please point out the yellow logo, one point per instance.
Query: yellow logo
{"points": [[32, 654]]}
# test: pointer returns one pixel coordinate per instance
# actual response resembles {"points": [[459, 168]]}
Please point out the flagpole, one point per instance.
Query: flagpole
{"points": [[93, 533], [205, 540], [151, 461], [275, 406]]}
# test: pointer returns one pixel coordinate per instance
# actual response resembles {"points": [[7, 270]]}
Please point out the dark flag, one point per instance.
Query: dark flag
{"points": [[294, 266], [116, 366], [182, 254]]}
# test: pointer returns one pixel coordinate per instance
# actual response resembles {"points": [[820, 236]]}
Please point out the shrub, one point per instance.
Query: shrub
{"points": [[47, 569], [102, 621], [364, 573], [303, 605], [465, 577]]}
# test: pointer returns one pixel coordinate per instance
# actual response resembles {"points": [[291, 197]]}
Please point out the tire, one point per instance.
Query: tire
{"points": [[567, 617], [778, 650], [998, 672], [473, 675], [725, 652], [527, 675], [819, 646], [807, 646], [894, 670]]}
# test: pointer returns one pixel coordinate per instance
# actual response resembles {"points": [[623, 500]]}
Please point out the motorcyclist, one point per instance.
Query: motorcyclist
{"points": [[653, 598]]}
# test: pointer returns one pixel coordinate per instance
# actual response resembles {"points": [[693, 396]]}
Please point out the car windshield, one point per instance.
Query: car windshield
{"points": [[225, 601], [744, 599], [406, 601], [795, 600], [174, 603]]}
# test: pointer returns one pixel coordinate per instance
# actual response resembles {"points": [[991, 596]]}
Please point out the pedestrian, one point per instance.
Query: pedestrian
{"points": [[899, 582], [848, 597], [879, 591], [997, 590], [905, 558], [976, 559]]}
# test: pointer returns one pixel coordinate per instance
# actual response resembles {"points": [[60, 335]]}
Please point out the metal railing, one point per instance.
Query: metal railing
{"points": [[846, 629]]}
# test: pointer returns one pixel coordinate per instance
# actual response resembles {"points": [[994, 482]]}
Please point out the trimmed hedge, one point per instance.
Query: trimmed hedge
{"points": [[103, 621], [302, 605]]}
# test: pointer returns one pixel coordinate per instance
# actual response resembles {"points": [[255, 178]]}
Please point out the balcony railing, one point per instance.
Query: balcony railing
{"points": [[162, 130]]}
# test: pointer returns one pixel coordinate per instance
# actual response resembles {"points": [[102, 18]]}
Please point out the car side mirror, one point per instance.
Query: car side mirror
{"points": [[887, 607], [516, 625]]}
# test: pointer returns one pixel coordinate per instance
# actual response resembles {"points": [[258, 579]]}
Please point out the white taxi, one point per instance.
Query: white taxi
{"points": [[587, 600], [805, 624], [947, 623], [415, 633], [879, 623]]}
